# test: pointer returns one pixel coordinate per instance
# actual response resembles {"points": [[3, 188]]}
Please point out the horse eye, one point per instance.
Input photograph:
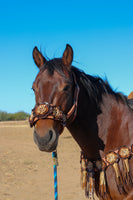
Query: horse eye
{"points": [[66, 88]]}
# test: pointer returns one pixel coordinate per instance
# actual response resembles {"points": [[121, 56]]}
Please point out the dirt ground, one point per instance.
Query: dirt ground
{"points": [[27, 173]]}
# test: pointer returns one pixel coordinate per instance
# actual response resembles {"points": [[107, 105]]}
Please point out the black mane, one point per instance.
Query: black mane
{"points": [[96, 87], [54, 64]]}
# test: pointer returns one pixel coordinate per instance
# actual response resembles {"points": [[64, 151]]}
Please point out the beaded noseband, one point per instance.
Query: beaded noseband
{"points": [[50, 111]]}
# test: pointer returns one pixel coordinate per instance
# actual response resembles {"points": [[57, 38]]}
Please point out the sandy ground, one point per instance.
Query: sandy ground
{"points": [[27, 173]]}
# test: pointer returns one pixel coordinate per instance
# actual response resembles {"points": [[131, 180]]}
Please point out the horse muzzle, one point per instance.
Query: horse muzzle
{"points": [[48, 142]]}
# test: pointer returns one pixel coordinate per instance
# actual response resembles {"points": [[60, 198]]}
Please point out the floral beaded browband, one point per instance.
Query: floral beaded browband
{"points": [[122, 177]]}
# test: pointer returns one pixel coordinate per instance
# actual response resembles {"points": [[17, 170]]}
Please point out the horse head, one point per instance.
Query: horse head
{"points": [[54, 89]]}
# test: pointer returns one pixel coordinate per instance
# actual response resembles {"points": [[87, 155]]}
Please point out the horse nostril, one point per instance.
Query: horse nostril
{"points": [[50, 134]]}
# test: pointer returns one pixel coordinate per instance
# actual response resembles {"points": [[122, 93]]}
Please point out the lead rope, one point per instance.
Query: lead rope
{"points": [[55, 164]]}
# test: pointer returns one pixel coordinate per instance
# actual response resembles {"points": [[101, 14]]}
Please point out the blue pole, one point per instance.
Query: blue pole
{"points": [[54, 155]]}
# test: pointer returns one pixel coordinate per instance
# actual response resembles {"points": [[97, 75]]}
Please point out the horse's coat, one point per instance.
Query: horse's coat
{"points": [[104, 121]]}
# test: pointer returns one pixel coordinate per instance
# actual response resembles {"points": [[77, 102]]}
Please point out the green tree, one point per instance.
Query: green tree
{"points": [[4, 116]]}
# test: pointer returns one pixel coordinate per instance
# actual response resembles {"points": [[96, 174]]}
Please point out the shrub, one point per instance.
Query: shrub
{"points": [[4, 116]]}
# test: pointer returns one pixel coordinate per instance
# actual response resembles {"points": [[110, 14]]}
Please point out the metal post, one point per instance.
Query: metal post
{"points": [[55, 160]]}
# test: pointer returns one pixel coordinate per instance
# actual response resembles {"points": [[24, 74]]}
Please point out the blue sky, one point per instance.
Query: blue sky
{"points": [[100, 32]]}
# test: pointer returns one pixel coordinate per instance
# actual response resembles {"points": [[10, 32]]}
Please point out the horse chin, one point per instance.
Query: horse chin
{"points": [[48, 143], [49, 149]]}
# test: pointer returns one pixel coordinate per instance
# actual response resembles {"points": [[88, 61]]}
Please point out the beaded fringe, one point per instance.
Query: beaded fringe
{"points": [[122, 177]]}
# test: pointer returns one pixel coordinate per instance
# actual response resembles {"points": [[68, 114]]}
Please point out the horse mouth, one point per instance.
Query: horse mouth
{"points": [[48, 143], [48, 148]]}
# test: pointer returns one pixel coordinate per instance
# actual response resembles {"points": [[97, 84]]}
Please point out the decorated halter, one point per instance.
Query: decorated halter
{"points": [[50, 111]]}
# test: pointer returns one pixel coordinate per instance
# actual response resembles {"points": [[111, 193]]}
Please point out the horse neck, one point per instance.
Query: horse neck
{"points": [[117, 128], [84, 128]]}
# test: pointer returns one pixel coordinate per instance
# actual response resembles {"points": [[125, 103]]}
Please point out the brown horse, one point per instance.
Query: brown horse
{"points": [[99, 119]]}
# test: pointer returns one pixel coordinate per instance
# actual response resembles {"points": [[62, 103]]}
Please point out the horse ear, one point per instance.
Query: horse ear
{"points": [[38, 57], [67, 56]]}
